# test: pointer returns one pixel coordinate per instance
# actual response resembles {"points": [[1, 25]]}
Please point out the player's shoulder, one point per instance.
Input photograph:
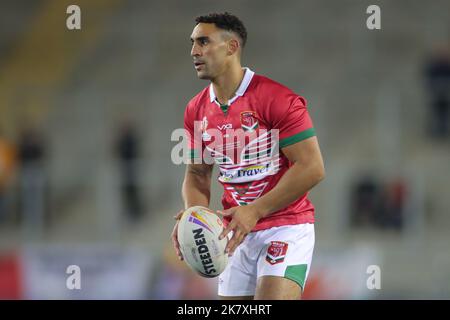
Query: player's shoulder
{"points": [[267, 85], [268, 88]]}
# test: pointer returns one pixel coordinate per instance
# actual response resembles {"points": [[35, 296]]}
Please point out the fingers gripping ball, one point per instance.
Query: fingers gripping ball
{"points": [[198, 235]]}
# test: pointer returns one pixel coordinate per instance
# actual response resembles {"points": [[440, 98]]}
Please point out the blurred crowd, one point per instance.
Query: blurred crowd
{"points": [[437, 82], [24, 179], [25, 185]]}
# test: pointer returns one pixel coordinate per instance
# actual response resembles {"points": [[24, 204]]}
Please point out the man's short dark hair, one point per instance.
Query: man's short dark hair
{"points": [[225, 21]]}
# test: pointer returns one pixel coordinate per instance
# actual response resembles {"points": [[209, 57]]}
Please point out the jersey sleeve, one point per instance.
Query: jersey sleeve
{"points": [[292, 119]]}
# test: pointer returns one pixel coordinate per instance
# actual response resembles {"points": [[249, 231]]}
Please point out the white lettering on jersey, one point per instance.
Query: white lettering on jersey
{"points": [[225, 126]]}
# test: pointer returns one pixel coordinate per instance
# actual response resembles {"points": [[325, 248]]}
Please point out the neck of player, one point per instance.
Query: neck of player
{"points": [[227, 83]]}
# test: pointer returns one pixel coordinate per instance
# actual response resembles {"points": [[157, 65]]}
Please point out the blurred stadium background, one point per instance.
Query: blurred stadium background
{"points": [[86, 118]]}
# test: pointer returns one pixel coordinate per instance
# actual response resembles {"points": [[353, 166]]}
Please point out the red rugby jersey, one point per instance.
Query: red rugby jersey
{"points": [[246, 139]]}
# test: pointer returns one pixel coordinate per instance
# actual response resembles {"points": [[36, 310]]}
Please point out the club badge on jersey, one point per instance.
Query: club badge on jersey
{"points": [[276, 252], [249, 122]]}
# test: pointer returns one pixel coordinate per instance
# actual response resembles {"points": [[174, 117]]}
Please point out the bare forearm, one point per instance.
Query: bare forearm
{"points": [[294, 183], [196, 190]]}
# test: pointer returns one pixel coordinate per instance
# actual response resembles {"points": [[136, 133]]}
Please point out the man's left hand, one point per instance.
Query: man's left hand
{"points": [[244, 219]]}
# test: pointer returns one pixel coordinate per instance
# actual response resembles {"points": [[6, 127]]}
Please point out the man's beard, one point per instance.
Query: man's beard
{"points": [[204, 76]]}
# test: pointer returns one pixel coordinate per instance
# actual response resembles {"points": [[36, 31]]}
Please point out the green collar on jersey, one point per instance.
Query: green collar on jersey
{"points": [[224, 108]]}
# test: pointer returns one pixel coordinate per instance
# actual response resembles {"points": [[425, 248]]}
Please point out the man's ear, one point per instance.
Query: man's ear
{"points": [[233, 46]]}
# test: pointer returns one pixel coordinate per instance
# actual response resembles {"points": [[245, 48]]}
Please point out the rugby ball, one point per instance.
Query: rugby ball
{"points": [[198, 235]]}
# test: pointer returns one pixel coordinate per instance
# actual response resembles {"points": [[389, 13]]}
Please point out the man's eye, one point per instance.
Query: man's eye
{"points": [[203, 41]]}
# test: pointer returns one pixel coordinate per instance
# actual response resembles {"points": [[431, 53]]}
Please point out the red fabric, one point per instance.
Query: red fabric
{"points": [[10, 277], [270, 105]]}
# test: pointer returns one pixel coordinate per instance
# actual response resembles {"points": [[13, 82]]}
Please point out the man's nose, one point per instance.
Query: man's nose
{"points": [[195, 51]]}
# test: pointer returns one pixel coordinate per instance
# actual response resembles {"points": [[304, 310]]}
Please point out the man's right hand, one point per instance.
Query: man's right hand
{"points": [[176, 245]]}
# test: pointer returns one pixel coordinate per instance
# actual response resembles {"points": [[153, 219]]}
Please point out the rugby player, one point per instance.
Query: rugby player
{"points": [[268, 216]]}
